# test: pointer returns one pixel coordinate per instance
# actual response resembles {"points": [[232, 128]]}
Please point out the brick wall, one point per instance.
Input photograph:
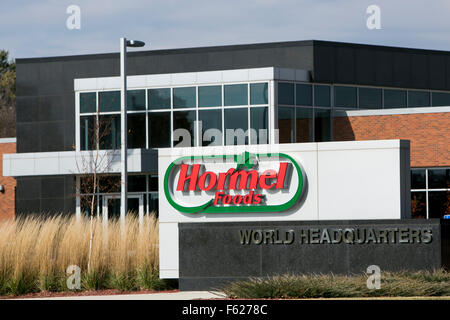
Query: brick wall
{"points": [[429, 134], [7, 198]]}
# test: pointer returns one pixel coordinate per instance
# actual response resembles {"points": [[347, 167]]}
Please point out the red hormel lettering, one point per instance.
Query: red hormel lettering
{"points": [[231, 180], [250, 186]]}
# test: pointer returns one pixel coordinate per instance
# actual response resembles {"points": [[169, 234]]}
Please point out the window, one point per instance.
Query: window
{"points": [[87, 132], [236, 94], [418, 99], [303, 95], [236, 126], [109, 132], [183, 120], [211, 123], [286, 124], [88, 102], [184, 97], [441, 99], [438, 178], [258, 93], [286, 93], [136, 130], [136, 100], [159, 129], [259, 124], [418, 179], [159, 98], [394, 98], [322, 96], [210, 96], [304, 125], [430, 192], [322, 125], [370, 98], [137, 183], [109, 101], [155, 113], [345, 97]]}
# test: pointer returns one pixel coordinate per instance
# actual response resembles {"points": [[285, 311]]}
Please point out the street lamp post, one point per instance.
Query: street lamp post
{"points": [[124, 43]]}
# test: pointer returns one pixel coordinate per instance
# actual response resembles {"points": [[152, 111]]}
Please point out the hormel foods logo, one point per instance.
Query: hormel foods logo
{"points": [[247, 182]]}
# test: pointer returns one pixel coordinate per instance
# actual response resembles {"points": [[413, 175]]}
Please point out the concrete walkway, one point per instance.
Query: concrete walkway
{"points": [[181, 295]]}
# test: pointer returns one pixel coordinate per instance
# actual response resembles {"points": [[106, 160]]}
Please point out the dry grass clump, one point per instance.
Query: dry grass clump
{"points": [[393, 284], [36, 251]]}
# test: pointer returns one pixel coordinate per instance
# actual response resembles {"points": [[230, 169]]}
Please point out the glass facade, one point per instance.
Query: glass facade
{"points": [[210, 96], [370, 98], [430, 192], [394, 98], [107, 197], [155, 113], [345, 97], [236, 95], [236, 126], [239, 114], [184, 97], [159, 99]]}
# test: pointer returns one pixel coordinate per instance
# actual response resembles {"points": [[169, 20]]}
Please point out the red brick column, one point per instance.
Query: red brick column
{"points": [[7, 198]]}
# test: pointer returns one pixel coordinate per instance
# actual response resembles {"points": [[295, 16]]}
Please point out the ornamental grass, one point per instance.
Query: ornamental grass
{"points": [[36, 251]]}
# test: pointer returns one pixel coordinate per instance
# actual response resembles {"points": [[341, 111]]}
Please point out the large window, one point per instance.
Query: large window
{"points": [[236, 95], [345, 97], [236, 126], [310, 119], [370, 98], [210, 96], [159, 129], [211, 127], [108, 188], [430, 192], [200, 115], [418, 99], [394, 98], [286, 124]]}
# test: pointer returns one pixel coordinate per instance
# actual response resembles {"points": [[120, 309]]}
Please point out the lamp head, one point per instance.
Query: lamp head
{"points": [[135, 43]]}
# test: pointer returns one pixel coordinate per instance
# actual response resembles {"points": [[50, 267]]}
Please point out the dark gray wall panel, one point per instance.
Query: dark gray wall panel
{"points": [[389, 66], [365, 66], [324, 63], [384, 67], [29, 136], [402, 72], [345, 65], [28, 188], [419, 70], [51, 107], [52, 136], [52, 187], [437, 71], [47, 194], [211, 254], [29, 108]]}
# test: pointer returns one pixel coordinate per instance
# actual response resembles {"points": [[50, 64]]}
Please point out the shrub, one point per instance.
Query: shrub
{"points": [[404, 284]]}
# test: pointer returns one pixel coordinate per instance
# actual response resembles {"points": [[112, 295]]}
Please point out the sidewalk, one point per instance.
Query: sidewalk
{"points": [[181, 295]]}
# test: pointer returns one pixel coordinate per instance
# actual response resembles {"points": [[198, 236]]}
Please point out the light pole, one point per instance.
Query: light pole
{"points": [[124, 43]]}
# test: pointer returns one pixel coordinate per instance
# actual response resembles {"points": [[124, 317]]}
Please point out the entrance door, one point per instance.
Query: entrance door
{"points": [[111, 206]]}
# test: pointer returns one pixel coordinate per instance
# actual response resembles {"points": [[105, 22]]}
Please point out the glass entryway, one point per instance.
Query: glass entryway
{"points": [[111, 206]]}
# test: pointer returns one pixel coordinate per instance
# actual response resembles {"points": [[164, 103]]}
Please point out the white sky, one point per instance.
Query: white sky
{"points": [[38, 28]]}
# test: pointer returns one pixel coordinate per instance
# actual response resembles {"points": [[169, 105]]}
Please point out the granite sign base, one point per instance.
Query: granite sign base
{"points": [[213, 254]]}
